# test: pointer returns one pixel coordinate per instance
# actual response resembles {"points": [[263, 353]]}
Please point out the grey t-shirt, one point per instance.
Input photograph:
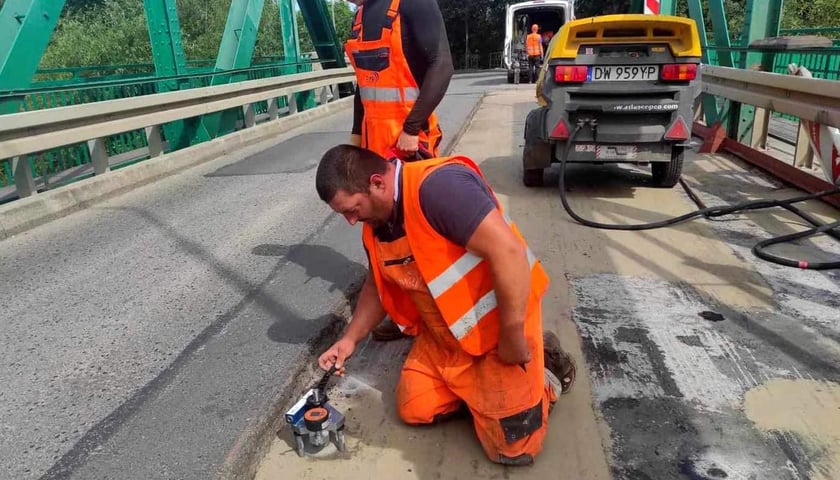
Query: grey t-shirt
{"points": [[455, 200]]}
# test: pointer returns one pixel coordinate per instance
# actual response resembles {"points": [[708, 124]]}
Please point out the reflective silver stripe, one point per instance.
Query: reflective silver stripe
{"points": [[411, 94], [463, 266], [455, 272], [470, 319], [380, 94], [383, 94], [532, 259]]}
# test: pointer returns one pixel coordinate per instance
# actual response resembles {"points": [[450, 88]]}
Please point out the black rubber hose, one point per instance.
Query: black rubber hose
{"points": [[711, 212]]}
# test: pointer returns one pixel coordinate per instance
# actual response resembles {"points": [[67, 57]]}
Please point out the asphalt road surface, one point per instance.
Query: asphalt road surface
{"points": [[697, 360], [140, 336]]}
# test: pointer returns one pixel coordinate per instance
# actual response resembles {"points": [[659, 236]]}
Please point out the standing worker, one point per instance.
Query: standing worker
{"points": [[445, 260], [400, 52], [534, 48], [403, 65]]}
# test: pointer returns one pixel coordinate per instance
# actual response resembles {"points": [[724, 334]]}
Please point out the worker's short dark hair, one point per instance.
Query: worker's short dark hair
{"points": [[348, 168]]}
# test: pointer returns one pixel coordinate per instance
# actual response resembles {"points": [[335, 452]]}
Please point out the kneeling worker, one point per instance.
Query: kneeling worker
{"points": [[446, 262]]}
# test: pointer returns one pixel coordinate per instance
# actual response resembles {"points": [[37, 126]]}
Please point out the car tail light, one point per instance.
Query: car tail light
{"points": [[560, 132], [570, 73], [678, 130], [679, 71]]}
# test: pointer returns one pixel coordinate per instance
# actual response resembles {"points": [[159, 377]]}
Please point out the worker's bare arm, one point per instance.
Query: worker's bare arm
{"points": [[427, 32], [494, 241], [367, 315]]}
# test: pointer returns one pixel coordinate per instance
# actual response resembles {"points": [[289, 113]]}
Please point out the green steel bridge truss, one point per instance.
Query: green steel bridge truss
{"points": [[27, 25]]}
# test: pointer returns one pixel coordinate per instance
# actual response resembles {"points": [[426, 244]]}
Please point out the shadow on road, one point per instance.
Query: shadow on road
{"points": [[289, 326], [319, 261]]}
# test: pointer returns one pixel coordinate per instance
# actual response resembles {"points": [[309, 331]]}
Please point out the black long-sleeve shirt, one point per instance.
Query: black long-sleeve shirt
{"points": [[426, 48]]}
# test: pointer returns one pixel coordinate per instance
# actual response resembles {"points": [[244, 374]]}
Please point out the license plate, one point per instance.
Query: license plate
{"points": [[616, 152], [624, 73]]}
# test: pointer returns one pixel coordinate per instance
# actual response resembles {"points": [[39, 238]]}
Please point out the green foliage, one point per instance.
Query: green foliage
{"points": [[811, 14], [202, 26], [343, 23], [269, 35], [591, 8], [99, 33], [110, 32], [477, 25]]}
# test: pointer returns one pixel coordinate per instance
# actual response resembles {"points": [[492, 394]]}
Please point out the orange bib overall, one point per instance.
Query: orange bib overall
{"points": [[451, 364], [533, 44], [387, 88]]}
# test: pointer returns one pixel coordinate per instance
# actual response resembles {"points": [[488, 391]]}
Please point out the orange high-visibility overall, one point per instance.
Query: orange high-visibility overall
{"points": [[532, 44], [445, 294], [386, 85]]}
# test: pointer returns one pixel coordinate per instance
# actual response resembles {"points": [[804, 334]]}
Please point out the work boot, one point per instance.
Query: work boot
{"points": [[387, 331], [558, 363]]}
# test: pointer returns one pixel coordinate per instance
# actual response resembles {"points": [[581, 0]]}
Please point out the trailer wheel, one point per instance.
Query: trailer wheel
{"points": [[533, 177], [666, 175]]}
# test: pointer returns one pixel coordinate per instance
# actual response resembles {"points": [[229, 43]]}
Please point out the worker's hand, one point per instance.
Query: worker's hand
{"points": [[355, 139], [408, 143], [513, 349], [337, 355]]}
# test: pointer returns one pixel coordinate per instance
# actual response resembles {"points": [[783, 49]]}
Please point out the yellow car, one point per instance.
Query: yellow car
{"points": [[616, 89]]}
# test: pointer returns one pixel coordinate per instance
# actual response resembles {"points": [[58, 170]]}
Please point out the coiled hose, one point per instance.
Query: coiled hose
{"points": [[759, 250]]}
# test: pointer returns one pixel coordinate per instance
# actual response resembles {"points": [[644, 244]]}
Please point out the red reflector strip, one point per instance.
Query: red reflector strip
{"points": [[561, 131], [678, 131], [570, 73], [679, 71]]}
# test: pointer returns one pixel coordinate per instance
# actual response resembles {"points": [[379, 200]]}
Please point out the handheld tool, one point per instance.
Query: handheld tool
{"points": [[315, 422], [420, 154]]}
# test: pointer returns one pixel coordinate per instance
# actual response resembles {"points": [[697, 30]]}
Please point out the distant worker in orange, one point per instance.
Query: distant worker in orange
{"points": [[400, 52], [446, 261], [534, 48], [403, 65]]}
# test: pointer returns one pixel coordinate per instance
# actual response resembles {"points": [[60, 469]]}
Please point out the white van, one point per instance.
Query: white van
{"points": [[550, 15]]}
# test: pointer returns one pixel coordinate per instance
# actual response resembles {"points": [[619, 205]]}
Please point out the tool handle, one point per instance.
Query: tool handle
{"points": [[322, 384], [420, 154]]}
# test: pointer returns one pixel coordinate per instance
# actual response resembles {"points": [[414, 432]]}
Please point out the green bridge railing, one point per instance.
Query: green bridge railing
{"points": [[74, 86], [822, 62]]}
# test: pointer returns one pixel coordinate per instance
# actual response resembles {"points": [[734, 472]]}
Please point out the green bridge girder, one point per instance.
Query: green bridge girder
{"points": [[169, 58], [235, 52], [27, 25], [763, 20], [25, 30]]}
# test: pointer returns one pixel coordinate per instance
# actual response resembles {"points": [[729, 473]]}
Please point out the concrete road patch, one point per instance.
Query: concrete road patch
{"points": [[154, 334], [663, 383]]}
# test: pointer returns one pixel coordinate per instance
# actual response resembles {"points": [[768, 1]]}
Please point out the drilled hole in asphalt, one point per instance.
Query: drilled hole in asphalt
{"points": [[717, 473], [712, 316]]}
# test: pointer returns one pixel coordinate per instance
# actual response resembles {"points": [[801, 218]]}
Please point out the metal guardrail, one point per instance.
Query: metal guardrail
{"points": [[25, 133], [810, 99]]}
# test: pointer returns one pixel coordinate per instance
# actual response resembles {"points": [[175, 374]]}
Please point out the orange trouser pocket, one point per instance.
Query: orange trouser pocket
{"points": [[380, 134], [509, 403]]}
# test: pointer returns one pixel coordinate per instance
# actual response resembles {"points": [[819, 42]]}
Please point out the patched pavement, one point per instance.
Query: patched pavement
{"points": [[697, 360]]}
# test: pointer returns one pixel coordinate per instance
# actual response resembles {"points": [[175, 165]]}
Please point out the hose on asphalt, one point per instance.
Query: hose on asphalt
{"points": [[759, 250]]}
